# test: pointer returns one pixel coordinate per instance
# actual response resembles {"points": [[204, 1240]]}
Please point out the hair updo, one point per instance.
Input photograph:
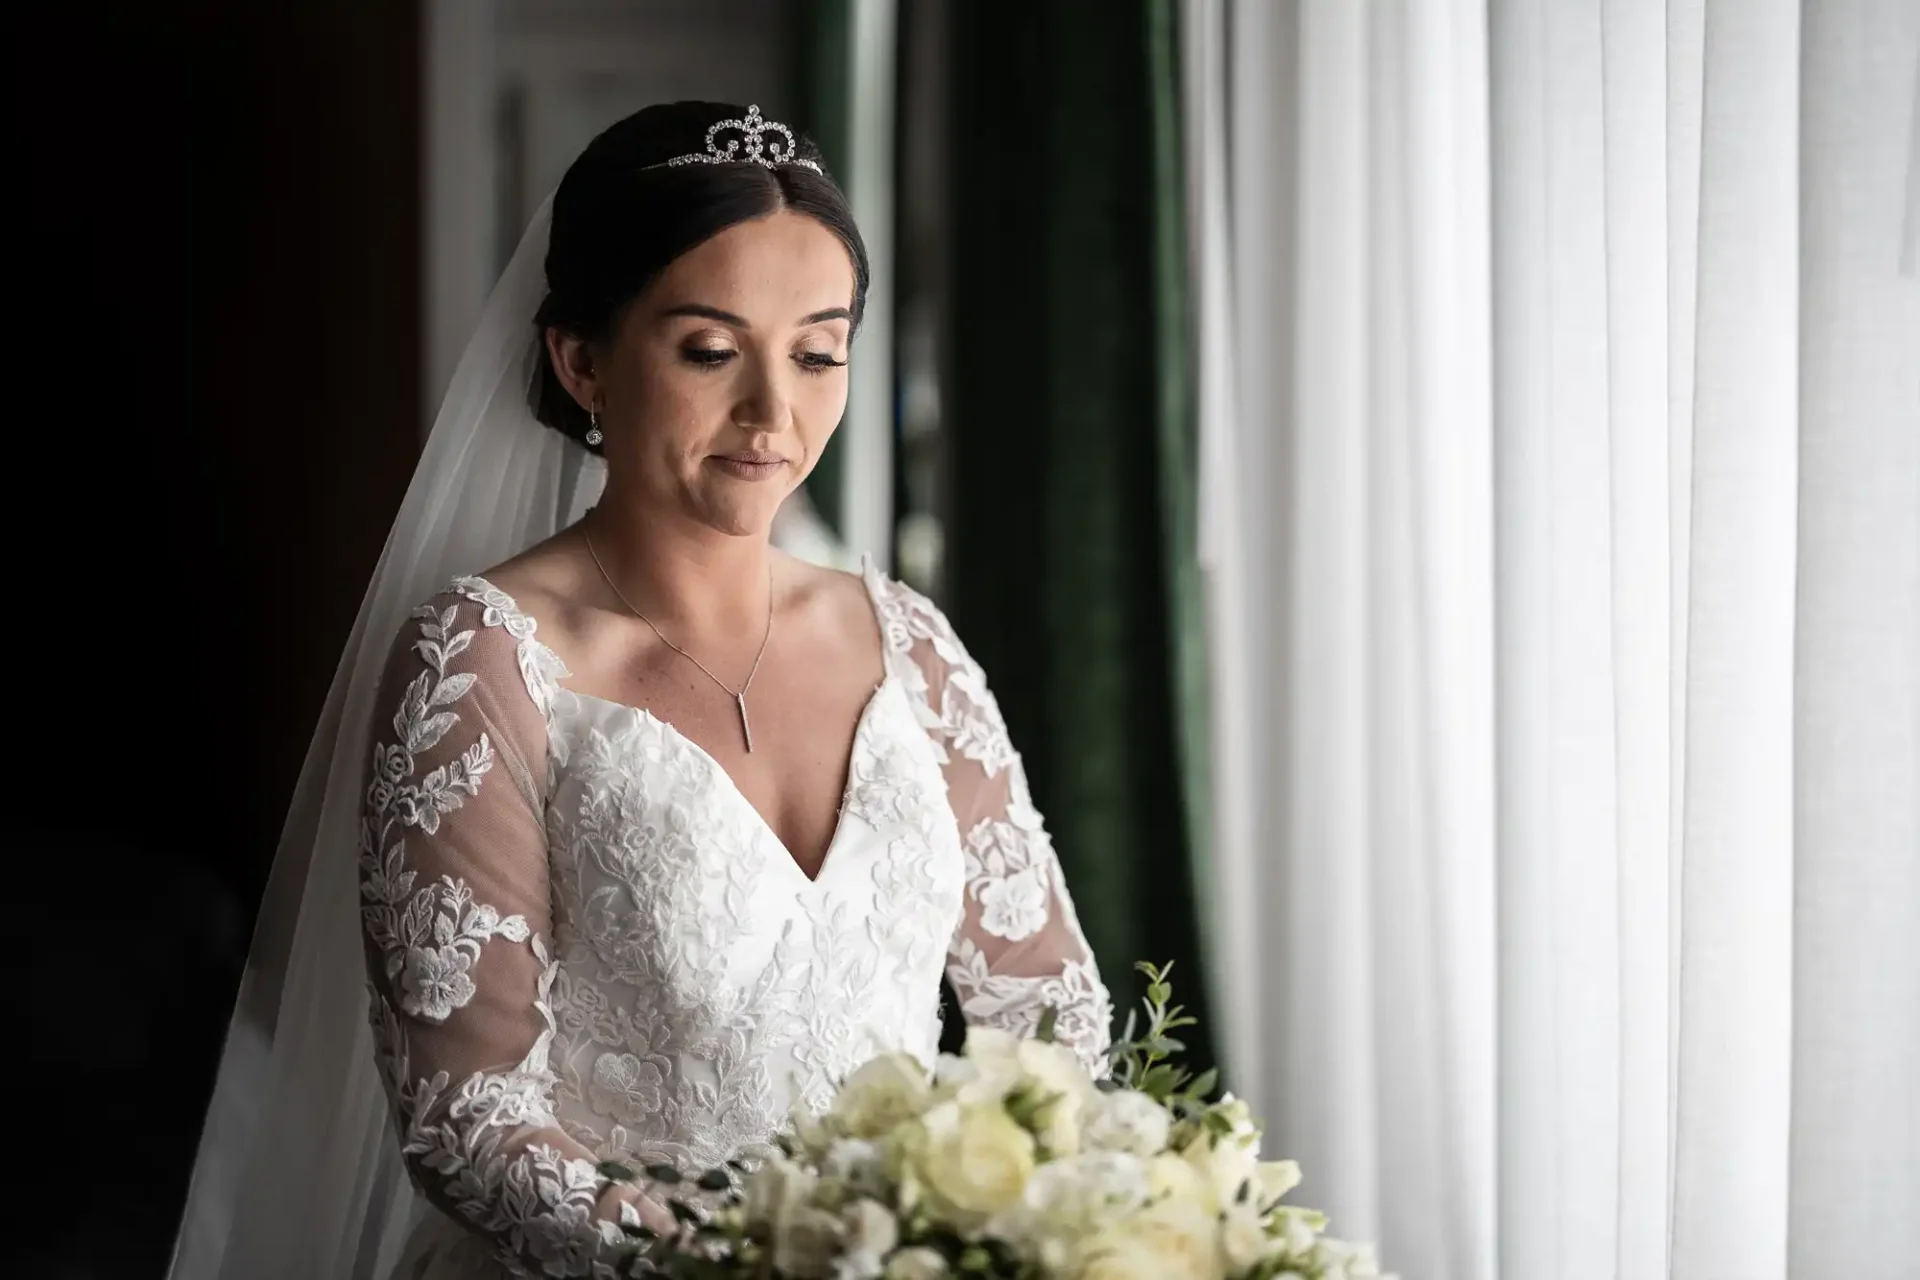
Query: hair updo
{"points": [[618, 223]]}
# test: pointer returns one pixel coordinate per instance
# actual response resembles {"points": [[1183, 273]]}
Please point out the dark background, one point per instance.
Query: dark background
{"points": [[214, 281]]}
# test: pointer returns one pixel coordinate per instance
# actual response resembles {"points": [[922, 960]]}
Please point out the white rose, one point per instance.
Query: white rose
{"points": [[1172, 1177], [882, 1095], [951, 1069], [1243, 1237], [1100, 1185], [1225, 1164], [1058, 1076], [990, 1044], [1299, 1228], [1233, 1167], [988, 1072], [1345, 1261], [1068, 1201], [917, 1263], [1127, 1120], [1170, 1240], [869, 1234], [975, 1161], [1238, 1114]]}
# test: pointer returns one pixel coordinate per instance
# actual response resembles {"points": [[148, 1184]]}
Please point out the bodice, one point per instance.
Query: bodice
{"points": [[585, 944], [706, 985]]}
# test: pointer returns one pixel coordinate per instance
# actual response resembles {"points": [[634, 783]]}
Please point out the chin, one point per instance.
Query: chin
{"points": [[738, 519]]}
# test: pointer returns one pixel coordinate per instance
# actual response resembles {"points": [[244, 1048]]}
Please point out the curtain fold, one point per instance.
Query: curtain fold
{"points": [[1854, 1138], [1337, 165], [1568, 855], [1177, 458], [1733, 966], [1070, 562]]}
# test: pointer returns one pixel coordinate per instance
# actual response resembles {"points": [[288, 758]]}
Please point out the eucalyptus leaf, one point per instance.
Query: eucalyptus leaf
{"points": [[1158, 1081]]}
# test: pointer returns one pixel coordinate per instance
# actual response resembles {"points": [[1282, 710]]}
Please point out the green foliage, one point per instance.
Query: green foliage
{"points": [[1142, 1062]]}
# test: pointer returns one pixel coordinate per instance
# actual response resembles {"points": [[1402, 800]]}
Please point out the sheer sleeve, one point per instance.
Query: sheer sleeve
{"points": [[454, 909], [1019, 948]]}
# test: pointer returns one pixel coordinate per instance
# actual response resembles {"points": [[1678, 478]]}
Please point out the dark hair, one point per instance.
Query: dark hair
{"points": [[618, 222]]}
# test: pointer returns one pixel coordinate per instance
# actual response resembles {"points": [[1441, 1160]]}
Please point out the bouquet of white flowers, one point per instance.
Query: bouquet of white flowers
{"points": [[1010, 1162]]}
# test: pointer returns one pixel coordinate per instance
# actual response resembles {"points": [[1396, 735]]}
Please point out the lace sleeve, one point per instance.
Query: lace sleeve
{"points": [[454, 910], [1019, 947]]}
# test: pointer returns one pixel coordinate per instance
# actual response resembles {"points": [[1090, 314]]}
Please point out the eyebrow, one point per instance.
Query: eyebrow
{"points": [[704, 312]]}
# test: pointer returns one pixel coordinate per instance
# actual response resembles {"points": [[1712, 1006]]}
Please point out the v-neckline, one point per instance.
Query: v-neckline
{"points": [[726, 779], [561, 671]]}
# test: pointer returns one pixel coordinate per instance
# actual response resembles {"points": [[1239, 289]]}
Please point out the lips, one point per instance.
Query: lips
{"points": [[750, 464]]}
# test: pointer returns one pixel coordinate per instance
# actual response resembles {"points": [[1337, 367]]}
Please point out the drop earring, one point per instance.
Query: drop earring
{"points": [[594, 434]]}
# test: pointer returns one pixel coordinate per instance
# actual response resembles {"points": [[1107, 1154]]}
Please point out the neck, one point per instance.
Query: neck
{"points": [[689, 578]]}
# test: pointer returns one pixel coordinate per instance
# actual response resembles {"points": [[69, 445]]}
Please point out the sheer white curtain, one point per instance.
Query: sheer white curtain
{"points": [[1561, 425], [1338, 163]]}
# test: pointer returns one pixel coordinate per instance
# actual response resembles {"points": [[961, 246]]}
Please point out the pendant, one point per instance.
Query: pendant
{"points": [[740, 700]]}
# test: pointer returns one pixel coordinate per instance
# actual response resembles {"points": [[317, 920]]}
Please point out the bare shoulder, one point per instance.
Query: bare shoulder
{"points": [[833, 605], [544, 581]]}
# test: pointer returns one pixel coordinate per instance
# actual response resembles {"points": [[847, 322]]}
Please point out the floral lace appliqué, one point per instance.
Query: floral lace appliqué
{"points": [[428, 937], [1012, 873]]}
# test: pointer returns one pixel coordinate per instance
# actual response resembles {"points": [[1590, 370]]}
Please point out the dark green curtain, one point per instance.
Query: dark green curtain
{"points": [[1072, 569]]}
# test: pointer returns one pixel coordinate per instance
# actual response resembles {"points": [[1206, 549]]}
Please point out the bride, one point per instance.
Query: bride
{"points": [[658, 832]]}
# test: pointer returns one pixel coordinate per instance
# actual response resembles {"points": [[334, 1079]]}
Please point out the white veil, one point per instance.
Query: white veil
{"points": [[298, 1174]]}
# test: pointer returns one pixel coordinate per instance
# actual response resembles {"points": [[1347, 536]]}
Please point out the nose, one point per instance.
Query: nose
{"points": [[766, 401]]}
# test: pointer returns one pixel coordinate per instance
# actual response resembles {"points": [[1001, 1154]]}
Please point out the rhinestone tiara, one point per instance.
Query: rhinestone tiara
{"points": [[754, 146]]}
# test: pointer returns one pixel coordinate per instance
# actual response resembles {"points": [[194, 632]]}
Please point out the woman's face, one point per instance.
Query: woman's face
{"points": [[723, 381]]}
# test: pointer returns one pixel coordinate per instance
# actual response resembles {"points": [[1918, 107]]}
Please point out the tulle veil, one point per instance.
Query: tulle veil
{"points": [[298, 1174]]}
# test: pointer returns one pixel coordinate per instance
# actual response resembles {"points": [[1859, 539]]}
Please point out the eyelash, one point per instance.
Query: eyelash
{"points": [[809, 361]]}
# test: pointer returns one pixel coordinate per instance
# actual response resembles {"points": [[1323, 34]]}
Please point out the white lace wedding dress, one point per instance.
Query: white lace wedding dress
{"points": [[585, 944]]}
